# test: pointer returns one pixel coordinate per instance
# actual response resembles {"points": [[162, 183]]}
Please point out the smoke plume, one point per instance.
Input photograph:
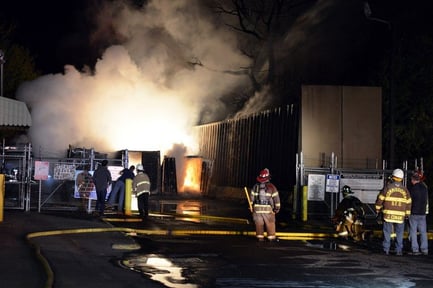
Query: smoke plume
{"points": [[144, 93]]}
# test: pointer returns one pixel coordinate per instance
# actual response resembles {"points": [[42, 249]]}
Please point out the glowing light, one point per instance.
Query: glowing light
{"points": [[189, 208], [159, 269], [192, 175]]}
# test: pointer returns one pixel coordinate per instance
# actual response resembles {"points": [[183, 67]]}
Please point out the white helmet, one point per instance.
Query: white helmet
{"points": [[140, 167], [398, 173]]}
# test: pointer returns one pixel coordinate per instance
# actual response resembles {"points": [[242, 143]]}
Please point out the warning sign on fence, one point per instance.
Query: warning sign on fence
{"points": [[316, 187], [64, 172], [42, 169], [332, 183]]}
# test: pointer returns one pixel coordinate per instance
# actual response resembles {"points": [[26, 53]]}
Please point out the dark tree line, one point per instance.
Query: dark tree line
{"points": [[18, 66], [389, 44]]}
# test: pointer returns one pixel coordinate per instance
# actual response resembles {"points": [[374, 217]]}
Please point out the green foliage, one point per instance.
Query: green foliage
{"points": [[19, 66]]}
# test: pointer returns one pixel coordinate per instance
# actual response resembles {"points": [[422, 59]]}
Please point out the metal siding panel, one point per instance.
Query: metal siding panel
{"points": [[14, 113], [241, 147]]}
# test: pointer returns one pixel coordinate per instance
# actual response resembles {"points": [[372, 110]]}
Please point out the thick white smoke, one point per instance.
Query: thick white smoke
{"points": [[145, 94]]}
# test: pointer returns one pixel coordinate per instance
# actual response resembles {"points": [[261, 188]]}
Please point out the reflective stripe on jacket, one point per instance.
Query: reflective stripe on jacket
{"points": [[395, 202], [265, 201], [141, 184]]}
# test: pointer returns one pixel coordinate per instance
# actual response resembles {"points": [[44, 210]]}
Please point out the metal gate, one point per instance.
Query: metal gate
{"points": [[318, 189], [26, 190], [16, 165]]}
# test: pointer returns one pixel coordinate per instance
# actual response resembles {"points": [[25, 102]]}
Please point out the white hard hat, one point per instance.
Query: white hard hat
{"points": [[398, 173], [140, 167]]}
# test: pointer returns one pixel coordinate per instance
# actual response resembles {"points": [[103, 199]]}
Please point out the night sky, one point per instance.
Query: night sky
{"points": [[59, 32], [55, 32]]}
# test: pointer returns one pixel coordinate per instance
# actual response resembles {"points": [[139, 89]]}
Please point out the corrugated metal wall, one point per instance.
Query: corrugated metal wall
{"points": [[240, 148], [14, 113]]}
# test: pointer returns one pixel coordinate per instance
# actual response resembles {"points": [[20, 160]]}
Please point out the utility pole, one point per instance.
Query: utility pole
{"points": [[2, 61]]}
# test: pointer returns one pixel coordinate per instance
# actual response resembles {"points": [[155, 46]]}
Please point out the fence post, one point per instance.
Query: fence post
{"points": [[304, 203], [2, 195], [294, 202], [128, 193]]}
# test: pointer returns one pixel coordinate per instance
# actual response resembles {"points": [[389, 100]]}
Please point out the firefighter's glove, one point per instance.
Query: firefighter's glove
{"points": [[379, 218], [276, 211]]}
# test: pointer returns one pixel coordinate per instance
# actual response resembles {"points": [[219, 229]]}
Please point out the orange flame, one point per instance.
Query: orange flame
{"points": [[192, 175]]}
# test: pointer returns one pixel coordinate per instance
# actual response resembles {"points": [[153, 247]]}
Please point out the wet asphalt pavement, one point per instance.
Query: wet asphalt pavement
{"points": [[68, 249], [199, 260]]}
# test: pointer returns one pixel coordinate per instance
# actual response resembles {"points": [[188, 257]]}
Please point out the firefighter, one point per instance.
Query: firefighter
{"points": [[141, 188], [265, 201], [395, 203], [349, 215]]}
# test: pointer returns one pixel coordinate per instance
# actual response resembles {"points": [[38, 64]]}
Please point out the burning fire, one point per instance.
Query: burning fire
{"points": [[192, 175]]}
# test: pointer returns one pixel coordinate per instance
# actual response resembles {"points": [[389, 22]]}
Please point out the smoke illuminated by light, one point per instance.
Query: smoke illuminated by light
{"points": [[143, 95]]}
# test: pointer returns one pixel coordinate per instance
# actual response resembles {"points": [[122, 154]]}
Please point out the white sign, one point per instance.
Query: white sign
{"points": [[364, 188], [42, 169], [64, 171], [316, 187], [363, 184], [332, 183], [115, 171]]}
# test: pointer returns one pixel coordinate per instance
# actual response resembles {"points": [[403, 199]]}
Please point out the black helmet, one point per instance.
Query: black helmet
{"points": [[347, 190]]}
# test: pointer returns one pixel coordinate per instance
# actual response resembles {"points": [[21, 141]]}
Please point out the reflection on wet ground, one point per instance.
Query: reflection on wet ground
{"points": [[239, 261], [201, 257], [191, 211], [190, 208], [170, 270], [159, 268], [322, 244]]}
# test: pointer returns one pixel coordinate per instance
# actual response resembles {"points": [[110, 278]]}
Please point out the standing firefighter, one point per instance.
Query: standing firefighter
{"points": [[265, 204], [395, 203], [141, 188]]}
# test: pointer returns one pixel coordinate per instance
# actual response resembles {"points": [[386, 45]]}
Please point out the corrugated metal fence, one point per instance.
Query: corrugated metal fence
{"points": [[241, 147]]}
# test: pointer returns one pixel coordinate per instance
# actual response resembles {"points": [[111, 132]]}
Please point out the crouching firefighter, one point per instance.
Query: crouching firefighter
{"points": [[265, 202], [349, 216]]}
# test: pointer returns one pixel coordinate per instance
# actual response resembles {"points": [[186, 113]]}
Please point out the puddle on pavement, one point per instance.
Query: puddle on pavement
{"points": [[327, 245], [159, 269], [188, 208]]}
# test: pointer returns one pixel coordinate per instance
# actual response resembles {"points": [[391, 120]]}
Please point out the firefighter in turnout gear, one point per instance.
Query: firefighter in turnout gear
{"points": [[395, 203], [265, 201], [141, 188], [349, 216]]}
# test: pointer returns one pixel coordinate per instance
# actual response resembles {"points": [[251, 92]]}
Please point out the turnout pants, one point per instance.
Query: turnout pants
{"points": [[264, 221], [143, 204]]}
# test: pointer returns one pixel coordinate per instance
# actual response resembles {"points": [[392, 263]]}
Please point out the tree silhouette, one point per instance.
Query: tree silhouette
{"points": [[19, 65], [264, 24]]}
